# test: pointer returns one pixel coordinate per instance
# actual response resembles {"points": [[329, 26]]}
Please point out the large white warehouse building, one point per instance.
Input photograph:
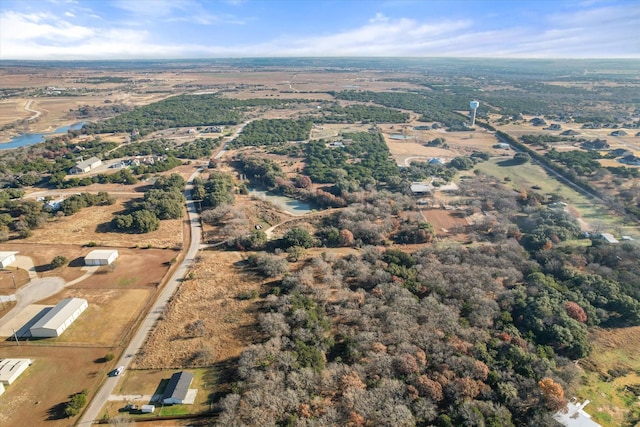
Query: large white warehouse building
{"points": [[7, 258], [54, 323], [101, 257], [10, 369]]}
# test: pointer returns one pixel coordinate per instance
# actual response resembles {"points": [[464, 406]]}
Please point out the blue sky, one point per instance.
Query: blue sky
{"points": [[155, 29]]}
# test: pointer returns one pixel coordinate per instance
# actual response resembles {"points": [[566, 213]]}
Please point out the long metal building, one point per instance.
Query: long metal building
{"points": [[11, 369], [54, 323]]}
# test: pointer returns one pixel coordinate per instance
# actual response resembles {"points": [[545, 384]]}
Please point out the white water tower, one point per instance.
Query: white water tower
{"points": [[474, 106]]}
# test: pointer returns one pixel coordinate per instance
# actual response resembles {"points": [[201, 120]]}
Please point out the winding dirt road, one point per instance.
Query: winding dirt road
{"points": [[27, 107]]}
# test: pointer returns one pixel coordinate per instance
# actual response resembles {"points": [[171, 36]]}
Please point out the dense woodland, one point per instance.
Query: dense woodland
{"points": [[360, 114], [434, 107], [183, 111], [449, 335], [273, 132], [364, 159]]}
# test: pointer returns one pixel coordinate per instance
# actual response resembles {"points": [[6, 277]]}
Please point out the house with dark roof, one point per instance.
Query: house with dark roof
{"points": [[177, 389]]}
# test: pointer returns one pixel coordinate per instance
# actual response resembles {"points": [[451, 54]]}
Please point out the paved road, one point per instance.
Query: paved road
{"points": [[102, 395], [231, 138]]}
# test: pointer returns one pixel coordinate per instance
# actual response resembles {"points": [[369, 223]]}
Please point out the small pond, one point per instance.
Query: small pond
{"points": [[287, 204], [398, 136]]}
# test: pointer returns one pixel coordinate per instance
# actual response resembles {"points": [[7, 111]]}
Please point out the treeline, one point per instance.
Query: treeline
{"points": [[218, 190], [434, 106], [272, 131], [583, 163], [543, 140], [196, 149], [126, 176], [182, 111], [360, 114], [164, 201]]}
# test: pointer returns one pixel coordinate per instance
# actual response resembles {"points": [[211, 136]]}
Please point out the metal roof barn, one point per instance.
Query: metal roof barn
{"points": [[7, 258], [101, 257], [177, 389], [10, 369], [56, 321]]}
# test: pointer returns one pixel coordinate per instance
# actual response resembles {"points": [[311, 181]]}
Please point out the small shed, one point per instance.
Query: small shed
{"points": [[101, 257], [607, 237], [59, 318], [177, 389], [7, 258], [420, 188], [147, 409], [11, 369]]}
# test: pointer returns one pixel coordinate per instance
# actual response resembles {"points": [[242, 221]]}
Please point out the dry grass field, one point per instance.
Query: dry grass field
{"points": [[218, 287], [37, 397], [444, 221], [92, 224], [459, 144]]}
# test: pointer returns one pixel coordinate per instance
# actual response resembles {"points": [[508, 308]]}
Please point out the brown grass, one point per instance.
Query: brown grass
{"points": [[217, 285], [460, 143], [88, 225], [444, 221], [57, 372]]}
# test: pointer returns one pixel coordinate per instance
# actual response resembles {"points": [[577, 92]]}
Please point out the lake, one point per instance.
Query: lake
{"points": [[35, 138], [287, 204]]}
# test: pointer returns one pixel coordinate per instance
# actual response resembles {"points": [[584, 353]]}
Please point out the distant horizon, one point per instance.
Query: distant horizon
{"points": [[89, 30], [186, 59]]}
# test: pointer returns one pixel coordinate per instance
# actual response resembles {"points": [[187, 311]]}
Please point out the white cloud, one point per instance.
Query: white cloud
{"points": [[69, 14], [40, 26], [602, 32]]}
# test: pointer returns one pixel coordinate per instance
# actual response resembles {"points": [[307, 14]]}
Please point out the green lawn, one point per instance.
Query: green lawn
{"points": [[524, 177], [612, 366]]}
